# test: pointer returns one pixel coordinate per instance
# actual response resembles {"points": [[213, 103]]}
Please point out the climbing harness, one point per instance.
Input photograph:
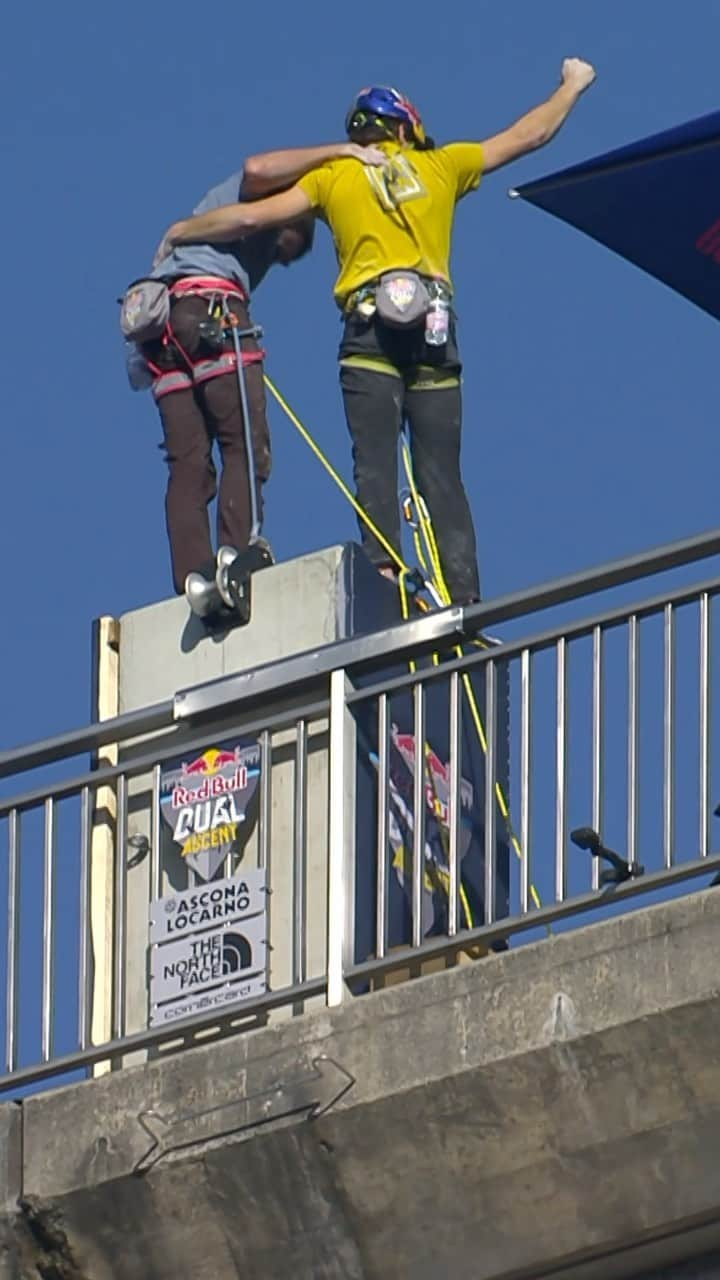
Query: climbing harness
{"points": [[146, 316], [189, 372]]}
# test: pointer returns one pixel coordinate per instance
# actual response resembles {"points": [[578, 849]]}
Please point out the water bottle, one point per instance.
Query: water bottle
{"points": [[437, 322]]}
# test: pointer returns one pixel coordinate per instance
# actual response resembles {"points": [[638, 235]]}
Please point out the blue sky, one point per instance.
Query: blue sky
{"points": [[583, 378]]}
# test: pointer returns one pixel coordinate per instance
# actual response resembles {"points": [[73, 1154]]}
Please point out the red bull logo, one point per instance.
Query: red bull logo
{"points": [[210, 762], [437, 777], [211, 788], [405, 743], [213, 766]]}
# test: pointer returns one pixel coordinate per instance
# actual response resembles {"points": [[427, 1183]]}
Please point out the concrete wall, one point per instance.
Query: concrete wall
{"points": [[550, 1112]]}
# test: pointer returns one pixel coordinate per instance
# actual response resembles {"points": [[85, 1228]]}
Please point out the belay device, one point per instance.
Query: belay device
{"points": [[232, 599]]}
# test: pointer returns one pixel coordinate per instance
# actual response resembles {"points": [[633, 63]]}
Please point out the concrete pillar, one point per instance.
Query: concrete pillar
{"points": [[296, 606]]}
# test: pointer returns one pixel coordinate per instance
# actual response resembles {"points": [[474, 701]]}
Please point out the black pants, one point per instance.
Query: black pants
{"points": [[391, 378], [195, 419]]}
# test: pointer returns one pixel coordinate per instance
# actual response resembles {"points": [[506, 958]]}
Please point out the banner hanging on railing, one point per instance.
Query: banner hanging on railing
{"points": [[208, 947], [209, 939], [435, 754], [401, 782]]}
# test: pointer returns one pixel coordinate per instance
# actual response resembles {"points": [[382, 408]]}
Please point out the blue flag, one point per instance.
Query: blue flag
{"points": [[655, 202]]}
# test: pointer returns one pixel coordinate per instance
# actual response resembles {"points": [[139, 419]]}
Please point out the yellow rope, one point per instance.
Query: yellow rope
{"points": [[424, 524], [433, 571], [344, 489], [412, 665]]}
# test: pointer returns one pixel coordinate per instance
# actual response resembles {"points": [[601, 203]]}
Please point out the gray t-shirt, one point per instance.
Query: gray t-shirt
{"points": [[244, 261]]}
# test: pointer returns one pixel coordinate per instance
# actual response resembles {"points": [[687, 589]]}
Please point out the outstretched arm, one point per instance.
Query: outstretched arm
{"points": [[542, 123], [234, 221], [274, 170]]}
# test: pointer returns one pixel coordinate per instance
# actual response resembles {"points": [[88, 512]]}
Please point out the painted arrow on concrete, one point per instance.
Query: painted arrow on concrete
{"points": [[315, 1093]]}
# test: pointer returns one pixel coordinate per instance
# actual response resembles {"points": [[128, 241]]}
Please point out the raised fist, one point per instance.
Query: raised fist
{"points": [[577, 73]]}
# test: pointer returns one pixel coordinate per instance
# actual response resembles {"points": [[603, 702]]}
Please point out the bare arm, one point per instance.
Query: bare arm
{"points": [[234, 221], [542, 123], [274, 170]]}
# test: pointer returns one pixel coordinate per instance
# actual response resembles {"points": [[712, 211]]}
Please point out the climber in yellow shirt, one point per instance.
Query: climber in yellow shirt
{"points": [[399, 363]]}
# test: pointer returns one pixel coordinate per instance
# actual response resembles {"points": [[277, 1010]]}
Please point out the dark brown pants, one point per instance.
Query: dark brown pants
{"points": [[193, 421]]}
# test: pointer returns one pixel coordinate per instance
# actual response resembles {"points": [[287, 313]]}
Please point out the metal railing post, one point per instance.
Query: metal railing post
{"points": [[383, 826], [419, 815], [598, 741], [454, 805], [299, 863], [13, 943], [490, 791], [48, 941], [525, 775], [633, 737], [561, 745], [669, 680], [705, 722], [341, 841]]}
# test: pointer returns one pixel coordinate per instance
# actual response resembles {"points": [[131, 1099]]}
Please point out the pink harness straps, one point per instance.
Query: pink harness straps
{"points": [[203, 285], [199, 371]]}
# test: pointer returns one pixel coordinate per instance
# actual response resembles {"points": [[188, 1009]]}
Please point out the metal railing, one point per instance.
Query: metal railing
{"points": [[411, 808]]}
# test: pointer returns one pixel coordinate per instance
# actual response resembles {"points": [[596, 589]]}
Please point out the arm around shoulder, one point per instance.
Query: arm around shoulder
{"points": [[235, 221], [276, 170]]}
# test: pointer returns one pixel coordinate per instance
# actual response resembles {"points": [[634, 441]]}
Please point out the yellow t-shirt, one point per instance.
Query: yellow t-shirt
{"points": [[382, 222]]}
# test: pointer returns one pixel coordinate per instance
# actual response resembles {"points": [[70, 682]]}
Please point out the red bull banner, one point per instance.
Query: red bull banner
{"points": [[436, 872], [434, 902], [204, 802]]}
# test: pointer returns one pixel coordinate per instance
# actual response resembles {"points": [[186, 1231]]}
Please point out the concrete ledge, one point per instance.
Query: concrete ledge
{"points": [[10, 1186], [10, 1155], [520, 1117]]}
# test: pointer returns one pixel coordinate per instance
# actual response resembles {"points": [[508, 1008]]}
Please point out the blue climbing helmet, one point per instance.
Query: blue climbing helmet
{"points": [[380, 100]]}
